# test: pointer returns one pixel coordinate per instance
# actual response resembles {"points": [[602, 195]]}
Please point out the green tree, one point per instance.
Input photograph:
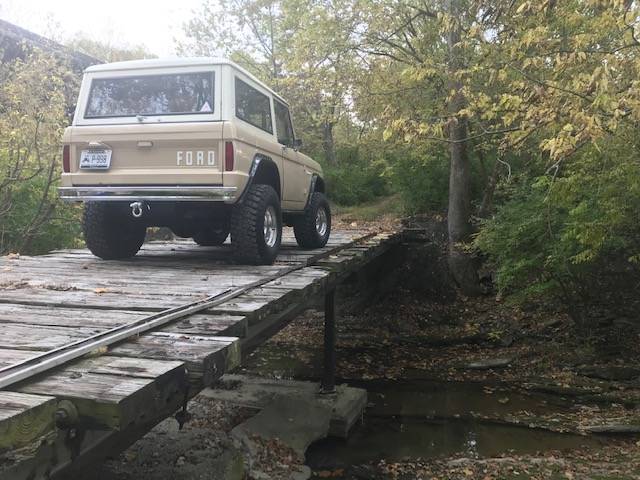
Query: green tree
{"points": [[503, 76], [33, 114]]}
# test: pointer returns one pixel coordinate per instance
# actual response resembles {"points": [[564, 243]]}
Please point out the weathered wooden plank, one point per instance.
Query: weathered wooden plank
{"points": [[10, 356], [210, 325], [160, 271], [154, 290], [251, 305], [107, 300], [112, 401], [36, 337], [24, 419], [142, 263], [124, 366], [206, 357], [261, 302], [66, 317]]}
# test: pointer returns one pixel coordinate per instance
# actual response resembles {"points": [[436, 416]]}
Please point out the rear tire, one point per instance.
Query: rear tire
{"points": [[256, 226], [313, 228], [211, 237], [110, 233]]}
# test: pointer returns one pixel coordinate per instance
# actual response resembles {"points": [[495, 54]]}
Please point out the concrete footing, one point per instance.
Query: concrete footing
{"points": [[292, 411]]}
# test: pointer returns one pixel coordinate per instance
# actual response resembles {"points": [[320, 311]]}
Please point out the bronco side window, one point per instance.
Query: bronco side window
{"points": [[253, 107], [284, 129]]}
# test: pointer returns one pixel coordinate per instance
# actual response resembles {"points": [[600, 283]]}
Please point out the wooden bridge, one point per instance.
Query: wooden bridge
{"points": [[56, 421]]}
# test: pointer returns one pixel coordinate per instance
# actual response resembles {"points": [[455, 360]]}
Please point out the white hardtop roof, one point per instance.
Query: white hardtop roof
{"points": [[175, 62]]}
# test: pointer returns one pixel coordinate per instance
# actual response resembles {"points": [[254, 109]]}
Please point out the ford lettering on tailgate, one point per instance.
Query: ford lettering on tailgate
{"points": [[190, 158]]}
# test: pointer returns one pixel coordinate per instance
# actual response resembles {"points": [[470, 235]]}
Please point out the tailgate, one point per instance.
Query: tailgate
{"points": [[149, 154]]}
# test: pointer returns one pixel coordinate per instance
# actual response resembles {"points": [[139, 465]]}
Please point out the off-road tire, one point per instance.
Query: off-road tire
{"points": [[110, 233], [304, 228], [211, 237], [247, 223]]}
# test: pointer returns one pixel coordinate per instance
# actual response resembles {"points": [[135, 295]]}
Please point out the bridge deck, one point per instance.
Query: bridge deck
{"points": [[114, 395]]}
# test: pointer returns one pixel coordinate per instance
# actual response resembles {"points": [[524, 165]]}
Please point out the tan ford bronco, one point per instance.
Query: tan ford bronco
{"points": [[197, 145]]}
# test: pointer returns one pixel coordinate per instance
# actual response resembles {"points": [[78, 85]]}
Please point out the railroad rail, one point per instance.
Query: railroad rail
{"points": [[94, 353]]}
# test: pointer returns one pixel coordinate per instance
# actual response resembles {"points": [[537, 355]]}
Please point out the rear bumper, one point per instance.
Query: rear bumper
{"points": [[150, 194]]}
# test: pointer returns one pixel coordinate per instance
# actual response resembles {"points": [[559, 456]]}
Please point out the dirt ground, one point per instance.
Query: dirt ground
{"points": [[405, 336]]}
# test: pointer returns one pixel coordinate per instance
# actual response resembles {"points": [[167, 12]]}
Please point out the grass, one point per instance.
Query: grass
{"points": [[390, 206]]}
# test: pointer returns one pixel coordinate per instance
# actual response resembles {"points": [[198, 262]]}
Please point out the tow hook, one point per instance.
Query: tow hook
{"points": [[137, 209]]}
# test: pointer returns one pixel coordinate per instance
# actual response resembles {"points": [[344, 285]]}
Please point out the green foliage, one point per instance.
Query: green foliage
{"points": [[59, 229], [422, 179], [421, 176], [563, 237], [355, 179], [33, 113]]}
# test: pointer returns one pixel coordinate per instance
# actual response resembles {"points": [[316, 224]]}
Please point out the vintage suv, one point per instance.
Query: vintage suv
{"points": [[197, 145]]}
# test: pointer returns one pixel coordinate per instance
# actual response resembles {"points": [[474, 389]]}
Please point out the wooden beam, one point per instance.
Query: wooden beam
{"points": [[25, 419], [112, 400], [206, 358]]}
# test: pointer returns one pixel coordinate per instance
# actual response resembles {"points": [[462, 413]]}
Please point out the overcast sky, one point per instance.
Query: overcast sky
{"points": [[153, 23]]}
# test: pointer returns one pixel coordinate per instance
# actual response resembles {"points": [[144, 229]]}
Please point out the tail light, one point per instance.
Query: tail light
{"points": [[66, 159], [228, 156]]}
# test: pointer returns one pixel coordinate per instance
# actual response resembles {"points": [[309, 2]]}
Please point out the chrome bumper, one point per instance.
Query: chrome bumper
{"points": [[160, 193]]}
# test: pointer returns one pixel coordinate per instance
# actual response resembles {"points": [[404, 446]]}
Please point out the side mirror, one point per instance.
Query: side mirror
{"points": [[297, 143]]}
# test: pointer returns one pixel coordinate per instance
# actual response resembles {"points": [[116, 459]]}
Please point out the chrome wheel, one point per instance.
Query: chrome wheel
{"points": [[270, 228], [321, 222]]}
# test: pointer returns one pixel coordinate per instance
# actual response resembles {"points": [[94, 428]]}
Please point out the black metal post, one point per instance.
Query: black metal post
{"points": [[329, 376]]}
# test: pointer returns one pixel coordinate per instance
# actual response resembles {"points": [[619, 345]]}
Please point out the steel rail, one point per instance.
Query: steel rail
{"points": [[50, 359]]}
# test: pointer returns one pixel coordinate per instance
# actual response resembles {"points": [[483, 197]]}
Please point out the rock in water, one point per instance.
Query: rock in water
{"points": [[489, 363]]}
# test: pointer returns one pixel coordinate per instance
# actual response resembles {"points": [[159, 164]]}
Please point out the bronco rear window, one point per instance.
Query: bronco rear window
{"points": [[166, 94]]}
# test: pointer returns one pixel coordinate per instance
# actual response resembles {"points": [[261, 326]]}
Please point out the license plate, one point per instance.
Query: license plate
{"points": [[95, 159]]}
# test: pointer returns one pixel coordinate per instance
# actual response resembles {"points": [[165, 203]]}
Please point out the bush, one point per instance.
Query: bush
{"points": [[33, 114], [422, 179], [355, 179], [573, 237], [421, 176]]}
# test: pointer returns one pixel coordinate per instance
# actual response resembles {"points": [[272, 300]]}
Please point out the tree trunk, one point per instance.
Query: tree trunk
{"points": [[328, 144], [462, 265]]}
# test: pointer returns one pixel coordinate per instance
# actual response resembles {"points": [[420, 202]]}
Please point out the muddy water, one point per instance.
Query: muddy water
{"points": [[274, 361], [414, 418], [403, 439], [421, 419]]}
